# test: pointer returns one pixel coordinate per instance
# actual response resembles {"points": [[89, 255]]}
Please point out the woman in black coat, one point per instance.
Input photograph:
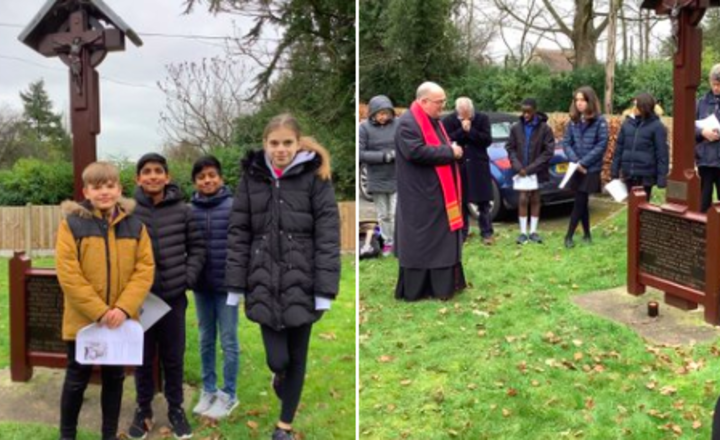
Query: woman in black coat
{"points": [[284, 251], [641, 151]]}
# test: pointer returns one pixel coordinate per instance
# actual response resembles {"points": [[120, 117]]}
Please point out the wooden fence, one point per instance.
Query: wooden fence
{"points": [[34, 228]]}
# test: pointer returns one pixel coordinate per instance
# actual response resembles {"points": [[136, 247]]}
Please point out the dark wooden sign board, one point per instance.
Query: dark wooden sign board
{"points": [[673, 247]]}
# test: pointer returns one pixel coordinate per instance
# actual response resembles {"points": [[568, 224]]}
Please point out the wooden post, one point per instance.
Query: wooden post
{"points": [[28, 230], [712, 263], [20, 369], [637, 198]]}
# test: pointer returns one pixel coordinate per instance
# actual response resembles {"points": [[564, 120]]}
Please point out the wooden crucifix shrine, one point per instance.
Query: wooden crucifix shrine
{"points": [[80, 33], [674, 247]]}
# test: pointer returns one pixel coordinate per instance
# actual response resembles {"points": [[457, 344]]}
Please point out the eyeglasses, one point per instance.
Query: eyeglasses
{"points": [[438, 101]]}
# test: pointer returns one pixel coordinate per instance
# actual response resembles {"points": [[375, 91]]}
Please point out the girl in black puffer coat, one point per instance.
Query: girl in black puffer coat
{"points": [[641, 153], [284, 251]]}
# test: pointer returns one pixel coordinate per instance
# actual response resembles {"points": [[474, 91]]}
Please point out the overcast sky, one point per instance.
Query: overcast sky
{"points": [[129, 112]]}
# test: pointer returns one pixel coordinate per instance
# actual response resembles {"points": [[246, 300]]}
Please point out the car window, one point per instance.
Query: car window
{"points": [[500, 130]]}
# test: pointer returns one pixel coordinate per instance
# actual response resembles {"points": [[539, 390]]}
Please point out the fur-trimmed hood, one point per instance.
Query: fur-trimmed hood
{"points": [[84, 209]]}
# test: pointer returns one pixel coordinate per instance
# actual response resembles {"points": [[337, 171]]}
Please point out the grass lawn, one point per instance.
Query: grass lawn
{"points": [[513, 358], [327, 410]]}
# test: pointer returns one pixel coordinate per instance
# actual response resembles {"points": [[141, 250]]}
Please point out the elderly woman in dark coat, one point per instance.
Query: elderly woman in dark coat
{"points": [[471, 131]]}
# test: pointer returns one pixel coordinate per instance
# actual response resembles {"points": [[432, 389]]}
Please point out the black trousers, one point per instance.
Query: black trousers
{"points": [[580, 213], [632, 183], [484, 221], [287, 352], [709, 182], [77, 377], [166, 338]]}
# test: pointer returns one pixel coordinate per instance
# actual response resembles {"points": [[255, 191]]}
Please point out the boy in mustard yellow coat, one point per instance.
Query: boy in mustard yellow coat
{"points": [[105, 267]]}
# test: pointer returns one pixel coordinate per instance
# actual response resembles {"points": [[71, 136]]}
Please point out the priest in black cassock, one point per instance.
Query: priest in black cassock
{"points": [[429, 218]]}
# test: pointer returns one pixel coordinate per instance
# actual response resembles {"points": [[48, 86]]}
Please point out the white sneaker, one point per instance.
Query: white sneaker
{"points": [[205, 403], [223, 406], [366, 249]]}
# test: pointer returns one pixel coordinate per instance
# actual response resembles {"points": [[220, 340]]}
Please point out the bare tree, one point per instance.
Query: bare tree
{"points": [[478, 31], [611, 55], [583, 31], [202, 102], [10, 136]]}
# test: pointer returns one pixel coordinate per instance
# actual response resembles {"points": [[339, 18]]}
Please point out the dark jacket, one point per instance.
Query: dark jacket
{"points": [[423, 239], [377, 148], [641, 150], [586, 141], [284, 240], [707, 154], [533, 155], [212, 217], [178, 246], [475, 162]]}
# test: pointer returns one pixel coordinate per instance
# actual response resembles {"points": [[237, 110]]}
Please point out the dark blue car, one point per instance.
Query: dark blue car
{"points": [[504, 197]]}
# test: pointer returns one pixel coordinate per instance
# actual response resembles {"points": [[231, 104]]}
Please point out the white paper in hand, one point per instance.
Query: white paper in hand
{"points": [[572, 166], [99, 345], [527, 183], [152, 310], [618, 190], [710, 122]]}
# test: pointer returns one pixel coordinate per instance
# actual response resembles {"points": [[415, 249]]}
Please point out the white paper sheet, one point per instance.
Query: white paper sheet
{"points": [[527, 183], [152, 310], [572, 166], [710, 122], [617, 189], [233, 299], [99, 345]]}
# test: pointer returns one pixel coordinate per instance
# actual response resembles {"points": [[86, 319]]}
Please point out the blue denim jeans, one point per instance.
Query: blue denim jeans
{"points": [[214, 314]]}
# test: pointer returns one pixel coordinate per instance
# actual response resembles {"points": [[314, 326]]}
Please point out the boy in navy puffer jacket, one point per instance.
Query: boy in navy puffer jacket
{"points": [[216, 309]]}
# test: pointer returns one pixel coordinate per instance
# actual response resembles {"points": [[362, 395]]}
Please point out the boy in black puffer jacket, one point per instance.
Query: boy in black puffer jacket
{"points": [[284, 252], [179, 251]]}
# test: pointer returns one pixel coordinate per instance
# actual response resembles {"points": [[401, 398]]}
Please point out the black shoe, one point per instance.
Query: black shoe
{"points": [[179, 424], [569, 243], [141, 424], [535, 238], [587, 239], [522, 239], [278, 382], [281, 434]]}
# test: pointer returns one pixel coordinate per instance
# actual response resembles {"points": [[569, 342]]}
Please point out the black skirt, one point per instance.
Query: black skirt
{"points": [[417, 284], [588, 183]]}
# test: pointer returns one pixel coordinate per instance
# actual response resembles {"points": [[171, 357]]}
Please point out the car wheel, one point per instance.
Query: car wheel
{"points": [[497, 207], [363, 184]]}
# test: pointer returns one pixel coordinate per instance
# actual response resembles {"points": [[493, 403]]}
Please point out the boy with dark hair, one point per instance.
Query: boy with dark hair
{"points": [[179, 250], [216, 308], [530, 148], [105, 267]]}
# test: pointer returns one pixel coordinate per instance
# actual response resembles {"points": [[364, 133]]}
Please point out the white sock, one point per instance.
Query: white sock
{"points": [[523, 225], [533, 224]]}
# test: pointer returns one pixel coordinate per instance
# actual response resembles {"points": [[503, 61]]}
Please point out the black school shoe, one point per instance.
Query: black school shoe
{"points": [[281, 434], [140, 426], [179, 424], [587, 239], [535, 238], [522, 239], [569, 243]]}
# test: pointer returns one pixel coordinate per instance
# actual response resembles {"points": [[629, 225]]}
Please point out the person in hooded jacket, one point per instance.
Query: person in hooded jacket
{"points": [[530, 147], [377, 151], [283, 252], [707, 142], [179, 253], [585, 142], [641, 156], [217, 311]]}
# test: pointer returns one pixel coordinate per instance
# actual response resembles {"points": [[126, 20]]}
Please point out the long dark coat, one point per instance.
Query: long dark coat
{"points": [[212, 216], [283, 242], [707, 154], [477, 180], [423, 237]]}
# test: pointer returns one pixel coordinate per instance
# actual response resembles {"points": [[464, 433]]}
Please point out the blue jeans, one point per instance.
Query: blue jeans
{"points": [[213, 313]]}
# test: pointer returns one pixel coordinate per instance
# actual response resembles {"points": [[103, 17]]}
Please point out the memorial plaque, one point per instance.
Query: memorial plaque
{"points": [[44, 314], [673, 248]]}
